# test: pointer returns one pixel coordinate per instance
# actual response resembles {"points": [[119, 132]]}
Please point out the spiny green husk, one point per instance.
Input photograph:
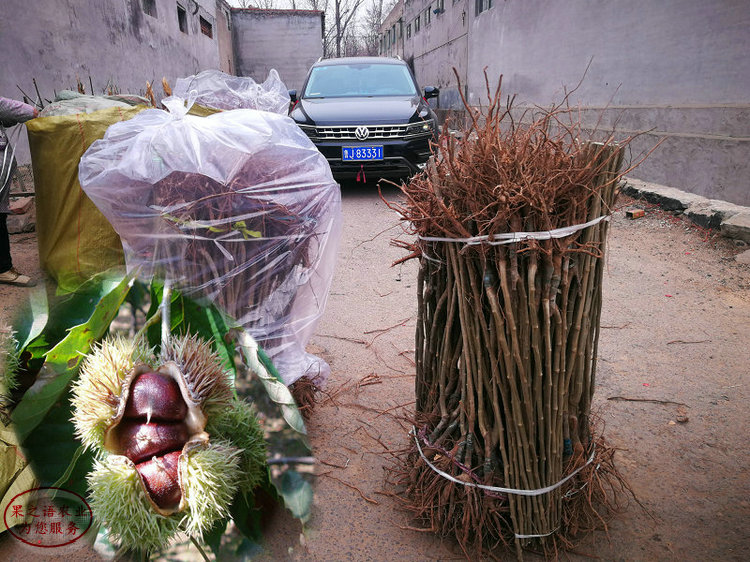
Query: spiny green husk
{"points": [[209, 384], [8, 360], [210, 479], [8, 370], [96, 393], [119, 500], [239, 425], [211, 474], [224, 454]]}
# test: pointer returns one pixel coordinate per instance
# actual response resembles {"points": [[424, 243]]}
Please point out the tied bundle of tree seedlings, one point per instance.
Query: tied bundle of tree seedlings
{"points": [[511, 221]]}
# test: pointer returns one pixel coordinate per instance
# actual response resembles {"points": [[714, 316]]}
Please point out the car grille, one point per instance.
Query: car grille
{"points": [[375, 132]]}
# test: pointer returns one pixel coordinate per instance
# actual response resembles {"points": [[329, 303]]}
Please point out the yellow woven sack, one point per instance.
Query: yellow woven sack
{"points": [[75, 240]]}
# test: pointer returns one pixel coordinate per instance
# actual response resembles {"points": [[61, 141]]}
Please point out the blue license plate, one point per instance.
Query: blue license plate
{"points": [[358, 153]]}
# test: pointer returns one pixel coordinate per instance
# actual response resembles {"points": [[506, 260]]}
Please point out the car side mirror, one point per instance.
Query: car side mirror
{"points": [[431, 92], [293, 95]]}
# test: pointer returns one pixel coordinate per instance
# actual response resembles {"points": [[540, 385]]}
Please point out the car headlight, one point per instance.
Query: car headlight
{"points": [[423, 127]]}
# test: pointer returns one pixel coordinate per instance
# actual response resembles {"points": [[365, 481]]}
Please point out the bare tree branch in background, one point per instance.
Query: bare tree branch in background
{"points": [[344, 11], [262, 4], [374, 16], [339, 37]]}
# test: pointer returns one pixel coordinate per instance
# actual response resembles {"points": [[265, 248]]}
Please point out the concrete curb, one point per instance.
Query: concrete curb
{"points": [[732, 220]]}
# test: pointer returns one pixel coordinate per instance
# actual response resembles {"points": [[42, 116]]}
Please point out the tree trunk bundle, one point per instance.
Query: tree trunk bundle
{"points": [[507, 333]]}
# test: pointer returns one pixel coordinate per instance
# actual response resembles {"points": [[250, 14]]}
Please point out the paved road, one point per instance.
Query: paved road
{"points": [[676, 324], [676, 328]]}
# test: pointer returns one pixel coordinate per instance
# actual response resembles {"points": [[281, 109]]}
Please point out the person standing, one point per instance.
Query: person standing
{"points": [[12, 112]]}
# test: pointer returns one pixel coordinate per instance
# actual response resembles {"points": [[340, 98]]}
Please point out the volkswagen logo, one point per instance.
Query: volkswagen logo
{"points": [[362, 133]]}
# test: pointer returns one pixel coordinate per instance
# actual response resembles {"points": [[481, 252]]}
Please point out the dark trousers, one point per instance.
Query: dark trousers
{"points": [[5, 261]]}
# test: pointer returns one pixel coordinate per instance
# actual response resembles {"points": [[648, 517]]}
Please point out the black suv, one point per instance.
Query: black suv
{"points": [[367, 116]]}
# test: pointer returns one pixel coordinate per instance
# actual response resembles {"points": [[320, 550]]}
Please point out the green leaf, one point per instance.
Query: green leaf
{"points": [[53, 451], [195, 317], [206, 321], [71, 309], [297, 494], [138, 295], [59, 315], [277, 390], [63, 360], [213, 537], [247, 518], [32, 317]]}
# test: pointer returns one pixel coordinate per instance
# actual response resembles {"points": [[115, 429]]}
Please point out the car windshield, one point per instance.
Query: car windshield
{"points": [[359, 80]]}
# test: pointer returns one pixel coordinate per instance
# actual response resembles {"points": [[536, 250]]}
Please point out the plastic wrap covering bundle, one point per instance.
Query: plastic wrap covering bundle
{"points": [[214, 89], [239, 207]]}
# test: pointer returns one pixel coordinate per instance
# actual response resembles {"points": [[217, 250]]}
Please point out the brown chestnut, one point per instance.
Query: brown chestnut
{"points": [[156, 397], [160, 475], [139, 441]]}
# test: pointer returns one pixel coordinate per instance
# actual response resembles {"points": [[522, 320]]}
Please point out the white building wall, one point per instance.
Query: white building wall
{"points": [[288, 40], [114, 42], [678, 70]]}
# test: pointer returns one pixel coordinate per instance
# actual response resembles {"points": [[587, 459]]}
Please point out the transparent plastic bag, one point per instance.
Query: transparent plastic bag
{"points": [[239, 207], [217, 90]]}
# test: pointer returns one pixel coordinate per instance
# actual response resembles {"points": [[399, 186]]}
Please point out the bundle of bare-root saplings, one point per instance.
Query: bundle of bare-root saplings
{"points": [[237, 206], [510, 223]]}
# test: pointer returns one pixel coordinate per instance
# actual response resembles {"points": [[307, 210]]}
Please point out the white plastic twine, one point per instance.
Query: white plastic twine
{"points": [[512, 237], [498, 489], [498, 240]]}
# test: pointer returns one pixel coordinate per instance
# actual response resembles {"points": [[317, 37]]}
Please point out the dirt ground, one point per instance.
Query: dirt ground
{"points": [[676, 328]]}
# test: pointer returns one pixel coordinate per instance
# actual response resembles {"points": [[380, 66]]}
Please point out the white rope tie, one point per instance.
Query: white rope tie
{"points": [[537, 492], [512, 237]]}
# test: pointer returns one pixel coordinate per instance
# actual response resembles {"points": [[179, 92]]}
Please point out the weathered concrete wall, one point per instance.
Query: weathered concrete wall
{"points": [[672, 52], [112, 41], [392, 32], [224, 36], [288, 40], [676, 68], [437, 46]]}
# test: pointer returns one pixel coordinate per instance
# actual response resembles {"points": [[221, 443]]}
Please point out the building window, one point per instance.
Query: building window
{"points": [[427, 14], [408, 31], [416, 25], [182, 18], [149, 7], [483, 5], [228, 16], [439, 7], [206, 28]]}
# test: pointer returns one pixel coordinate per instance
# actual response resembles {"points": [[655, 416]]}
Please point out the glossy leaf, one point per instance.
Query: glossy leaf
{"points": [[297, 494], [190, 316], [213, 536], [256, 361], [32, 317], [62, 361], [54, 452]]}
